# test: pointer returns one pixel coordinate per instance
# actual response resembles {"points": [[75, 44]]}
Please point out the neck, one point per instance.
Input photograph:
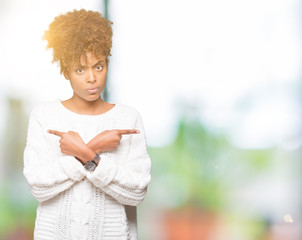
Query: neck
{"points": [[85, 107]]}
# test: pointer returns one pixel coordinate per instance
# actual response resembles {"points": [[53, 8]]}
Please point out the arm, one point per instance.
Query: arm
{"points": [[126, 182], [72, 144], [47, 174]]}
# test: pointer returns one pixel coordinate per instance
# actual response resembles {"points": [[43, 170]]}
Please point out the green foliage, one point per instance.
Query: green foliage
{"points": [[17, 206], [191, 164], [257, 159], [199, 166]]}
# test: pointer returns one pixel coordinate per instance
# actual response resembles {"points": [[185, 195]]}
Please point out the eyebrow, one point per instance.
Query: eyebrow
{"points": [[101, 61], [83, 66]]}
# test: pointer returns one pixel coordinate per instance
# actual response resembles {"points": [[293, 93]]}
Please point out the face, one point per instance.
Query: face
{"points": [[88, 78]]}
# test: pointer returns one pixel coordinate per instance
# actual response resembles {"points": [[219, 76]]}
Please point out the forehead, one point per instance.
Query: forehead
{"points": [[90, 59]]}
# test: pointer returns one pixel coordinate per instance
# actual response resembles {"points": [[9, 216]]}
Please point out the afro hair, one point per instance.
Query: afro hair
{"points": [[74, 34]]}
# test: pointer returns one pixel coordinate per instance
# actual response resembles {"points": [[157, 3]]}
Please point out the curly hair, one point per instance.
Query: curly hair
{"points": [[76, 33]]}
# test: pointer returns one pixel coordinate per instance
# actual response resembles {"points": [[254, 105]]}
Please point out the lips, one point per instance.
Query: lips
{"points": [[92, 90]]}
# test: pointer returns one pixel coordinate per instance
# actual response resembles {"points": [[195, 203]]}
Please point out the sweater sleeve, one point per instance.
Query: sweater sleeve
{"points": [[47, 175], [127, 181]]}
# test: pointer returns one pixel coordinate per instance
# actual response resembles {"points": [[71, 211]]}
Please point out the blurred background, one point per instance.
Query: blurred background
{"points": [[218, 85]]}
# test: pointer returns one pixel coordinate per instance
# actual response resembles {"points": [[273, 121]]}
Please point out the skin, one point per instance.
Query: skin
{"points": [[91, 73]]}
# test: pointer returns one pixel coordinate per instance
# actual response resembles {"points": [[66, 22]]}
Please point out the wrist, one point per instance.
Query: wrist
{"points": [[91, 165], [87, 155], [93, 147]]}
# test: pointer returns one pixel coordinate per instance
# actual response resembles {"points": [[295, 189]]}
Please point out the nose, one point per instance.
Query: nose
{"points": [[91, 77]]}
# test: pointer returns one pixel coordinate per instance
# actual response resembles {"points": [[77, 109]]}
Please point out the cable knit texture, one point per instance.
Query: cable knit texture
{"points": [[73, 202]]}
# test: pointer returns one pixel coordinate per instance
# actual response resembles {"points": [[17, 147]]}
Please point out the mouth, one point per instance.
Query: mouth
{"points": [[92, 90]]}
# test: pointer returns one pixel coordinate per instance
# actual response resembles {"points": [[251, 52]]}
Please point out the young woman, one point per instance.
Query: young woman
{"points": [[85, 160]]}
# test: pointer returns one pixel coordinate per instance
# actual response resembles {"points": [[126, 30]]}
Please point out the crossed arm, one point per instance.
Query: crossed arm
{"points": [[72, 144], [125, 181]]}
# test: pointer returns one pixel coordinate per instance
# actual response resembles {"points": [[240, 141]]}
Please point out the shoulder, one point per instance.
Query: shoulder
{"points": [[127, 114], [46, 108], [127, 110]]}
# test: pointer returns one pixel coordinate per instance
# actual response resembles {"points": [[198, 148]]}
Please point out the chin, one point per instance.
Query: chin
{"points": [[93, 98]]}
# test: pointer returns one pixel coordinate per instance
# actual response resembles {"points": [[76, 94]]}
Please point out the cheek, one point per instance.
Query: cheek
{"points": [[77, 83], [102, 79], [76, 87]]}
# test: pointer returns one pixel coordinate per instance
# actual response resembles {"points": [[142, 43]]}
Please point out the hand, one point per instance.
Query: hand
{"points": [[109, 140], [72, 144]]}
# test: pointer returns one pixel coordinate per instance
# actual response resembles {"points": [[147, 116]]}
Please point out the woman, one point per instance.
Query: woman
{"points": [[85, 160]]}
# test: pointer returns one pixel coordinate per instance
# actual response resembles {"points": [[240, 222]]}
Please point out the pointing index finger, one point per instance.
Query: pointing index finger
{"points": [[55, 132], [128, 131]]}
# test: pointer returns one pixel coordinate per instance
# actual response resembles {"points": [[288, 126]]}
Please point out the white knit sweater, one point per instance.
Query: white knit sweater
{"points": [[73, 202]]}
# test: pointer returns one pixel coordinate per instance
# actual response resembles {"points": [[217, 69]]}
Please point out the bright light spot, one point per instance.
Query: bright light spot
{"points": [[288, 218]]}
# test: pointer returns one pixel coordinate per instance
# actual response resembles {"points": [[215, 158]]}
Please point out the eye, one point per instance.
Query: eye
{"points": [[99, 68], [80, 70]]}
